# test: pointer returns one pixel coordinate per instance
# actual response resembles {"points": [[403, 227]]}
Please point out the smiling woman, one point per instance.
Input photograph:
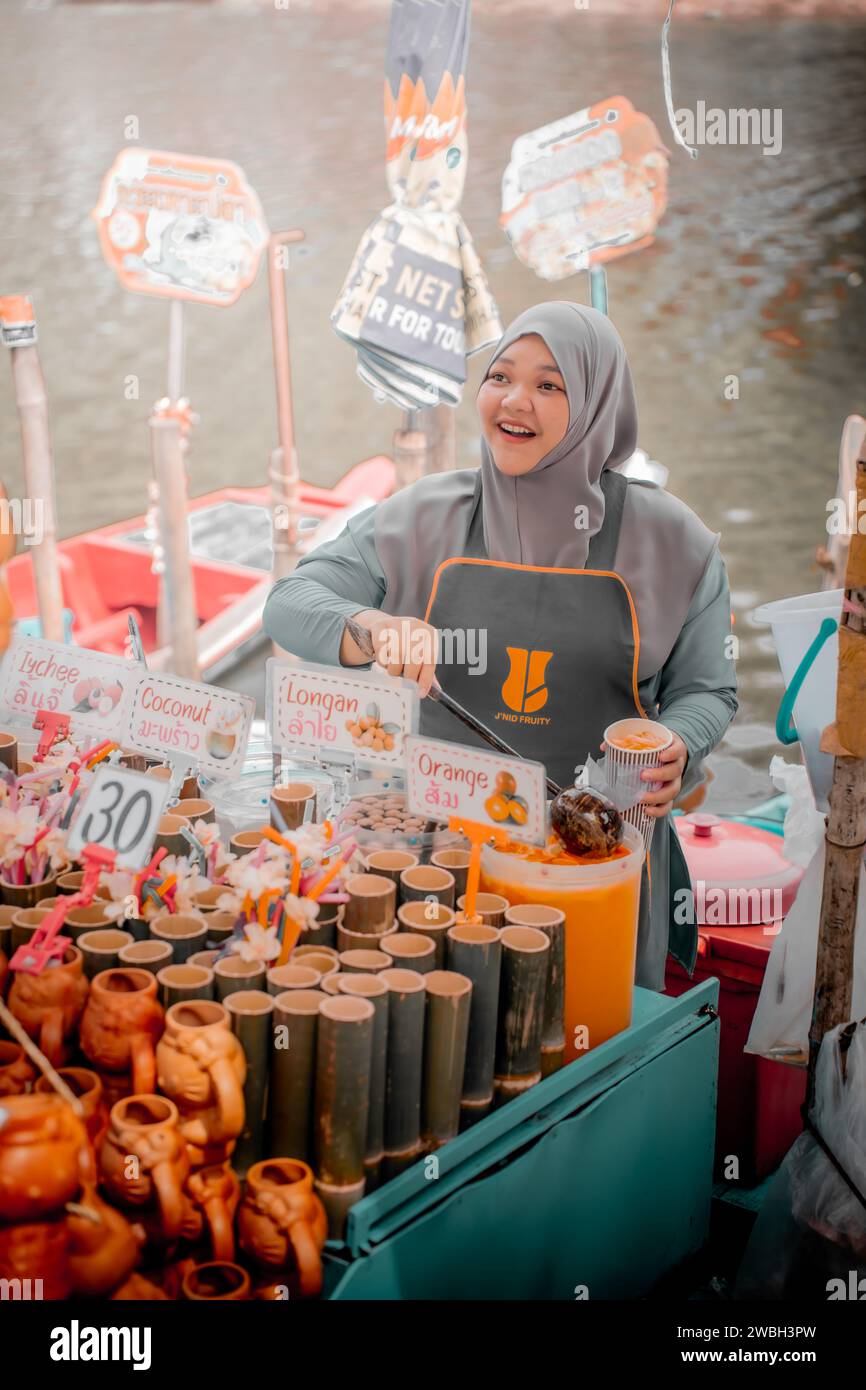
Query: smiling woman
{"points": [[600, 598]]}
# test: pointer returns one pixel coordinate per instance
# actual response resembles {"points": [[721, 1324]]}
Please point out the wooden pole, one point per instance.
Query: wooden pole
{"points": [[283, 474], [177, 587], [846, 824]]}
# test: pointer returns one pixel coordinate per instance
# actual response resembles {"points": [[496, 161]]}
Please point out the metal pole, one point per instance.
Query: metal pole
{"points": [[174, 382], [177, 592]]}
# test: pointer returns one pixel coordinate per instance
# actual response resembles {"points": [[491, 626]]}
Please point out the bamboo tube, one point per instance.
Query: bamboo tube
{"points": [[146, 955], [425, 882], [79, 920], [490, 907], [289, 803], [525, 954], [321, 958], [168, 835], [293, 1070], [195, 808], [9, 752], [411, 950], [70, 882], [446, 1030], [206, 900], [323, 932], [360, 941], [206, 958], [101, 948], [330, 984], [177, 589], [390, 863], [456, 861], [341, 1102], [407, 1002], [233, 973], [550, 920], [476, 952], [430, 919], [6, 914], [185, 932], [375, 989], [163, 772], [24, 924], [179, 982], [364, 962], [245, 841], [220, 926], [251, 1012], [283, 977], [371, 906]]}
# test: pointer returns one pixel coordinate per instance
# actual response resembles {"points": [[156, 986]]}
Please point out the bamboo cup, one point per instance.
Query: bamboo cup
{"points": [[162, 772], [446, 1032], [177, 983], [233, 973], [24, 923], [195, 808], [490, 907], [289, 804], [251, 1012], [341, 1101], [430, 919], [550, 920], [6, 914], [407, 1002], [79, 920], [364, 962], [456, 861], [374, 988], [283, 977], [476, 952], [359, 940], [323, 932], [321, 958], [411, 950], [293, 1070], [525, 955], [245, 841], [206, 958], [220, 926], [9, 752], [146, 955], [371, 906], [185, 932], [70, 882], [390, 863], [330, 984], [168, 834], [206, 900], [425, 882], [101, 948]]}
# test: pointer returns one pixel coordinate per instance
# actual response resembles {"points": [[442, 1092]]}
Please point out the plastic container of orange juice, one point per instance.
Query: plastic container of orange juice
{"points": [[601, 900]]}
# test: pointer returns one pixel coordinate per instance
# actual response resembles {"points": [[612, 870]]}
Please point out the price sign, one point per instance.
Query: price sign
{"points": [[121, 810], [190, 722], [446, 779], [93, 689], [324, 709]]}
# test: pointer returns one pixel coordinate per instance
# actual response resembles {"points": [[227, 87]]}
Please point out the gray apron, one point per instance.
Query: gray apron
{"points": [[562, 657]]}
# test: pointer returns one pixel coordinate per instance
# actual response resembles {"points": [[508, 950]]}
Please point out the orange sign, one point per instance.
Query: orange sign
{"points": [[584, 189], [180, 226]]}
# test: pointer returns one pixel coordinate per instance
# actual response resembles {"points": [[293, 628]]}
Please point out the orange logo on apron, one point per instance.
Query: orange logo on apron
{"points": [[523, 689]]}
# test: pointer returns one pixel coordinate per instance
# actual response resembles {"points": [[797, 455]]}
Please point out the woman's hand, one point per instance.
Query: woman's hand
{"points": [[402, 646], [672, 764]]}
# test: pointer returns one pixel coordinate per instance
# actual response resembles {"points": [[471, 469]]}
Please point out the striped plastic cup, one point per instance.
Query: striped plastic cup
{"points": [[630, 746]]}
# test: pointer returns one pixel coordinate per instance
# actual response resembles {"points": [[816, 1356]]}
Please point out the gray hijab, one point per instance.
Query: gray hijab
{"points": [[531, 520]]}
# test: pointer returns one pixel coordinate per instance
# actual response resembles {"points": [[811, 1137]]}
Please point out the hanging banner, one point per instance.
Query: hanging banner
{"points": [[584, 189], [180, 226], [187, 721], [416, 301], [325, 710], [445, 779], [93, 689]]}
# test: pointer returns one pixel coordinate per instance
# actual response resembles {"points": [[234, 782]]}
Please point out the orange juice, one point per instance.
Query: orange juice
{"points": [[600, 899]]}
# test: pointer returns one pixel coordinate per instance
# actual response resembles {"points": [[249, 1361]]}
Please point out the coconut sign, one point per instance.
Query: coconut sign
{"points": [[180, 226]]}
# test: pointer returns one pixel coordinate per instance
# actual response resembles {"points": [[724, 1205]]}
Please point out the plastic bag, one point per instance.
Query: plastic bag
{"points": [[780, 1027], [620, 783], [804, 823], [810, 1237]]}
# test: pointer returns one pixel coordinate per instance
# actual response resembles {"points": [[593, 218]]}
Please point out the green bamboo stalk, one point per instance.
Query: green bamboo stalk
{"points": [[186, 932], [407, 1003], [525, 953], [430, 919], [330, 984], [360, 941], [233, 973], [476, 952], [323, 931], [390, 863], [490, 907], [251, 1012], [550, 920], [100, 948], [179, 982], [283, 977], [293, 1069], [372, 904], [446, 1031], [375, 989], [220, 926], [426, 881], [364, 962], [146, 955], [341, 1102], [456, 861], [411, 950]]}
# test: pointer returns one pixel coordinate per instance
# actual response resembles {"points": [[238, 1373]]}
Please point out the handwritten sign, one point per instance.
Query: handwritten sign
{"points": [[584, 189], [120, 810], [326, 710], [93, 689], [191, 722], [449, 779]]}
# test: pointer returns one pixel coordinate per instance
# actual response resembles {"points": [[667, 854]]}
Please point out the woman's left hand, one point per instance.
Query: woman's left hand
{"points": [[672, 765]]}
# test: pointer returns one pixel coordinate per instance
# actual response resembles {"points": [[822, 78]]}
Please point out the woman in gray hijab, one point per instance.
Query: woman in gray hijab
{"points": [[557, 594]]}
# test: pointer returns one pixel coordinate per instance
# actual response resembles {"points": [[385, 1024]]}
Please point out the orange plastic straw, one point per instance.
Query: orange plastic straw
{"points": [[319, 887]]}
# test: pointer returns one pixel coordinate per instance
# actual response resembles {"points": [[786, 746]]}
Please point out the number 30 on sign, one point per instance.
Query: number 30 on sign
{"points": [[121, 810]]}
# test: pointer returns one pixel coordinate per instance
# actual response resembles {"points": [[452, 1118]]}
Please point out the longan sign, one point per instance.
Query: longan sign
{"points": [[325, 710]]}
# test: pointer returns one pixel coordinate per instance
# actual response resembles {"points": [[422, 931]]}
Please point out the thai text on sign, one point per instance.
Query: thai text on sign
{"points": [[445, 780], [191, 723], [93, 689], [323, 709]]}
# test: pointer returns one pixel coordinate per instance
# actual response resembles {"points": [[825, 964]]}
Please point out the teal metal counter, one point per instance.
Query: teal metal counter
{"points": [[593, 1184]]}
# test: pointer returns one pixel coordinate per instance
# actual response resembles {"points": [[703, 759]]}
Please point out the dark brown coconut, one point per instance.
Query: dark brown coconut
{"points": [[586, 822]]}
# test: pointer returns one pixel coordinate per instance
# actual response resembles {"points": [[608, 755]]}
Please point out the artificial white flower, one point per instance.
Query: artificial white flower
{"points": [[259, 943], [303, 910]]}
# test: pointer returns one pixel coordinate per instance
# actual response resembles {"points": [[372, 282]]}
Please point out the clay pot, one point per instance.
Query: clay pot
{"points": [[220, 1280], [37, 1252], [282, 1223], [50, 1004], [87, 1086], [17, 1072], [43, 1152], [147, 1128], [122, 1024], [216, 1192], [103, 1253], [201, 1066], [27, 894]]}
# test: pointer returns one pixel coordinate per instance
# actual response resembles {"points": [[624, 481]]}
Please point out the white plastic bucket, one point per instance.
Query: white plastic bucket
{"points": [[796, 623]]}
